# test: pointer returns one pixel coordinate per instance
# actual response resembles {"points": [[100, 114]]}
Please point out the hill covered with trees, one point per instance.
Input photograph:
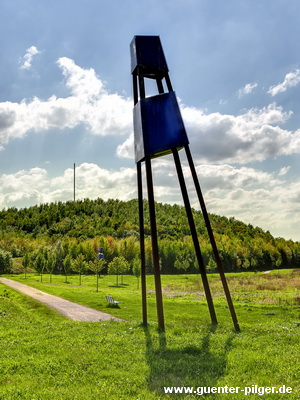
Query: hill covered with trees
{"points": [[64, 231]]}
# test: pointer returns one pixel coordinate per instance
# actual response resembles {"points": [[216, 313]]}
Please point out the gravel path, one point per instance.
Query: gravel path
{"points": [[73, 311]]}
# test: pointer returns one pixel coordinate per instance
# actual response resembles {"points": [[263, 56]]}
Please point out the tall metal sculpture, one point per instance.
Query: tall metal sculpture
{"points": [[159, 130]]}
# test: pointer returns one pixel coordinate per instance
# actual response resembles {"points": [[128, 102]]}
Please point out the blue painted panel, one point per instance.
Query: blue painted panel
{"points": [[158, 126], [147, 53]]}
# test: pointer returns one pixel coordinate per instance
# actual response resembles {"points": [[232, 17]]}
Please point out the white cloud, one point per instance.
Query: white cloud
{"points": [[27, 58], [23, 188], [284, 170], [291, 79], [83, 83], [103, 113], [89, 104], [252, 136], [252, 196], [229, 177], [126, 149], [34, 186], [248, 88], [274, 208]]}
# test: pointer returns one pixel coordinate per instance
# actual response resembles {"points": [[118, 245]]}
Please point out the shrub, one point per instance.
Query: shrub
{"points": [[6, 262]]}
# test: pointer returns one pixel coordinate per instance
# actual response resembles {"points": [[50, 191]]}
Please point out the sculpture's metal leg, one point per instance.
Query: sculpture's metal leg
{"points": [[142, 243], [155, 254], [212, 239], [194, 237], [159, 86]]}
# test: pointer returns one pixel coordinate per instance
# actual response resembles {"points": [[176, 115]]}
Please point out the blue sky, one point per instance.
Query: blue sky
{"points": [[66, 97]]}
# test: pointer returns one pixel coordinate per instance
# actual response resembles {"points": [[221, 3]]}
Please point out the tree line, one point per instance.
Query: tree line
{"points": [[62, 236]]}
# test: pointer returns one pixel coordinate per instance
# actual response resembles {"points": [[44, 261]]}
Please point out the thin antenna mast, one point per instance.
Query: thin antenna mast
{"points": [[74, 181]]}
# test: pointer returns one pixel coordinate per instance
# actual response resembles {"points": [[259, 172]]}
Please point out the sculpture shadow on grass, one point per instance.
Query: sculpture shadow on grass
{"points": [[191, 365]]}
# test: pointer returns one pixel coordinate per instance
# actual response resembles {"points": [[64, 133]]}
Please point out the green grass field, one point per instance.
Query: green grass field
{"points": [[45, 356]]}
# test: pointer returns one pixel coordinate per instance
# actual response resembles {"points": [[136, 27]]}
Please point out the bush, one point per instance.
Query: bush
{"points": [[6, 262]]}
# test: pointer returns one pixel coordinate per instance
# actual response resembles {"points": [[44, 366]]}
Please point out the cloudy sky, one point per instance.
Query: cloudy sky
{"points": [[66, 97]]}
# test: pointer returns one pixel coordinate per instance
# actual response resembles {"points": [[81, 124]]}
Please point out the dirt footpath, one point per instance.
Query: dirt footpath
{"points": [[73, 311]]}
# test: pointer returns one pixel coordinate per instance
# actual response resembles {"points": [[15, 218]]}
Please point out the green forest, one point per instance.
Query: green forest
{"points": [[65, 237]]}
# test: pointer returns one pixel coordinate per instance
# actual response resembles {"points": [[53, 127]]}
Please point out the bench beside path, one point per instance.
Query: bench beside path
{"points": [[73, 311]]}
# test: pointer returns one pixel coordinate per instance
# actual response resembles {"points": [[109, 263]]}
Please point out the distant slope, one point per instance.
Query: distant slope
{"points": [[240, 245]]}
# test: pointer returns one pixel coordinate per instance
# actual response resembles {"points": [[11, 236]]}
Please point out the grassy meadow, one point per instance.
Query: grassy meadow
{"points": [[45, 356]]}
